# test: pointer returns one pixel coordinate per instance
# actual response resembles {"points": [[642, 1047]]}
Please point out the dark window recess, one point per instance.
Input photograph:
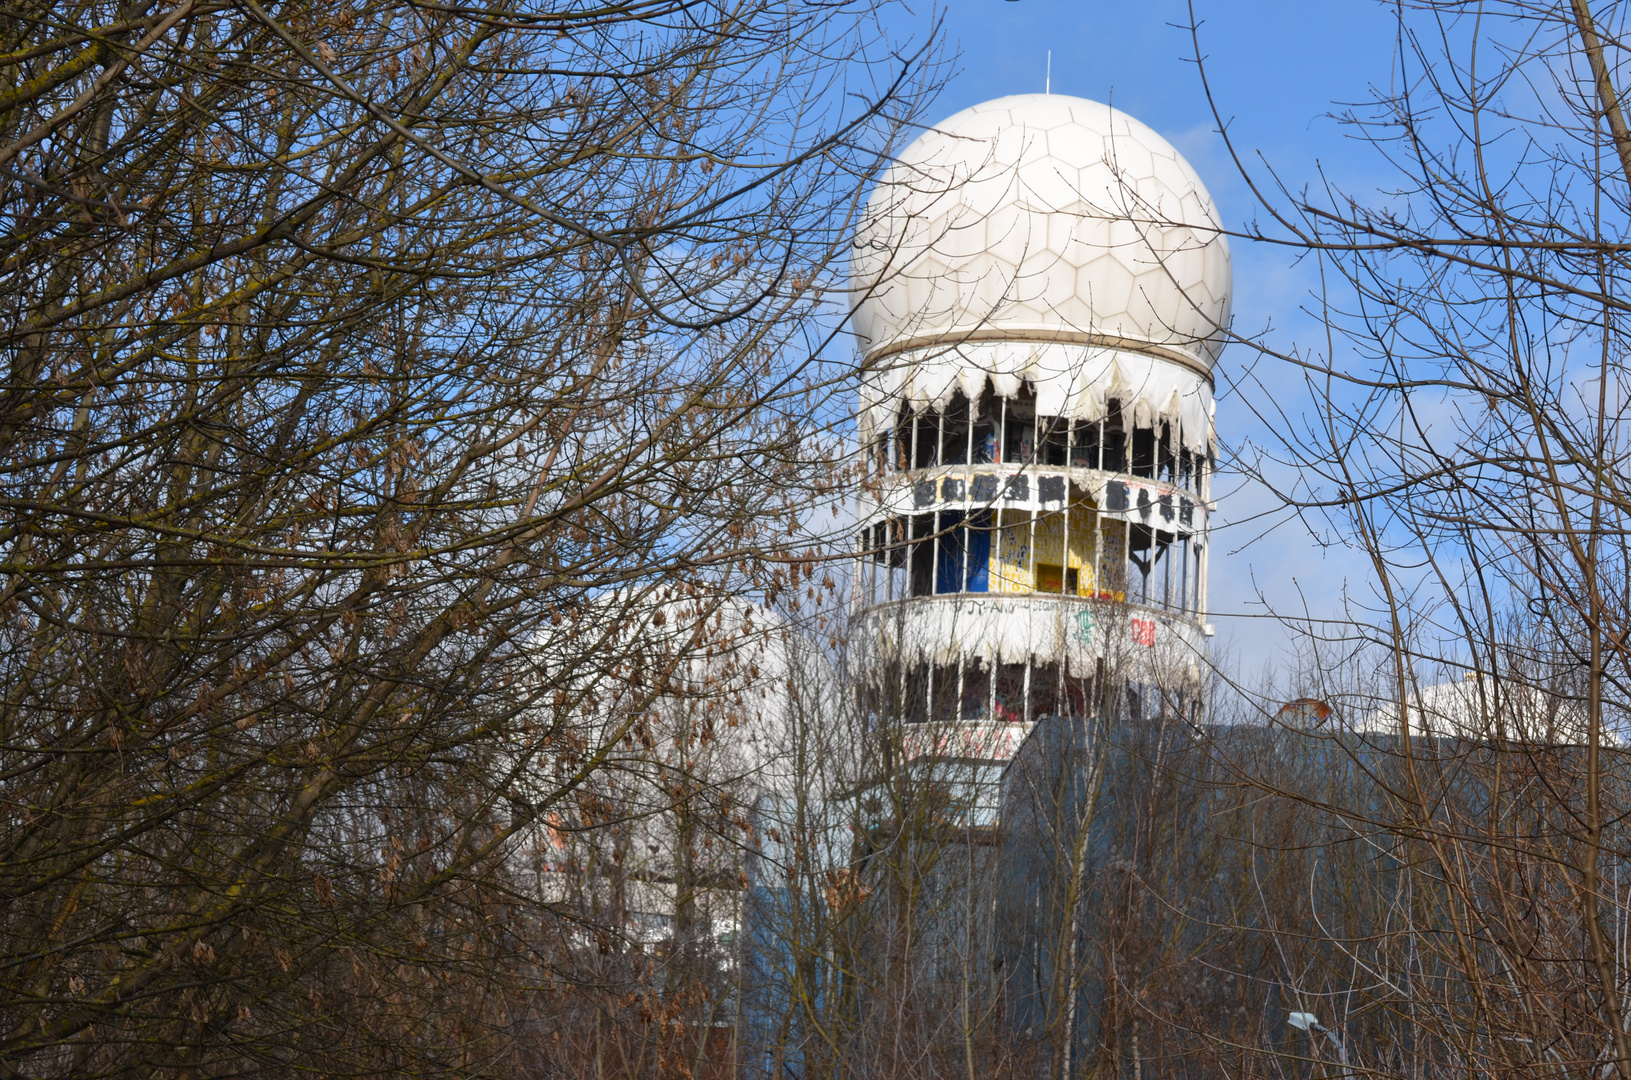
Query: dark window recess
{"points": [[1050, 488], [979, 552], [985, 488], [897, 544], [963, 553], [976, 690], [915, 695], [945, 692], [1054, 578], [1044, 690], [954, 440], [1143, 453], [1146, 546], [1115, 442], [1084, 451], [985, 444], [1017, 439], [1019, 488], [922, 560], [928, 433], [948, 563], [1055, 441], [1010, 692]]}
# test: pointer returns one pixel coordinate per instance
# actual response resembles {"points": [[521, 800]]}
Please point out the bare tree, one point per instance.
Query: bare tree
{"points": [[1463, 434], [356, 355]]}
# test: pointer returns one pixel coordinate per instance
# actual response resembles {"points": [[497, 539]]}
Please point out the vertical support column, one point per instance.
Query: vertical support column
{"points": [[858, 569], [968, 451], [1036, 511], [1182, 546], [1030, 547], [963, 529], [1064, 572], [909, 538], [1026, 692], [1002, 435], [991, 659], [937, 530], [1127, 557], [1166, 574], [888, 559], [1203, 488]]}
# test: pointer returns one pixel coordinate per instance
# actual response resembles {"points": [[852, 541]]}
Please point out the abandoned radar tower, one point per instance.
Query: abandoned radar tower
{"points": [[1041, 288]]}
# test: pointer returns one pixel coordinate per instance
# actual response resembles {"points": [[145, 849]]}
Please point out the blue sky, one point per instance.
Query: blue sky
{"points": [[1278, 70]]}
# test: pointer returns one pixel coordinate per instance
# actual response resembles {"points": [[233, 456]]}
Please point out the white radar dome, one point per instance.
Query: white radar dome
{"points": [[1050, 240]]}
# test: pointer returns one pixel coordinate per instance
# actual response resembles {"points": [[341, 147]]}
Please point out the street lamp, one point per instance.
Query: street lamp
{"points": [[1307, 1021]]}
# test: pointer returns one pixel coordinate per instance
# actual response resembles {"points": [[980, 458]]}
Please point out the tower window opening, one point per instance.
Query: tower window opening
{"points": [[1144, 453], [950, 554], [1113, 435], [915, 688], [1044, 691], [976, 690], [1078, 696], [1053, 578], [945, 690], [984, 442], [925, 438], [1084, 447], [963, 552], [955, 431], [1145, 549], [920, 556], [977, 552], [1008, 693], [1055, 445], [1019, 435]]}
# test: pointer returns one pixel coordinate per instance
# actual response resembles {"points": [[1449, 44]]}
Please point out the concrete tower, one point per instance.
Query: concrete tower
{"points": [[1040, 291]]}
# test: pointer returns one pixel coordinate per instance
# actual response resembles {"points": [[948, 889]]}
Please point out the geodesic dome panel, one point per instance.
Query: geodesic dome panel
{"points": [[1046, 219]]}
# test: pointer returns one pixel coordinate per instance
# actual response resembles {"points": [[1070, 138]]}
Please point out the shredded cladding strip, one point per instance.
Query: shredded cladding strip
{"points": [[1070, 380], [1012, 630]]}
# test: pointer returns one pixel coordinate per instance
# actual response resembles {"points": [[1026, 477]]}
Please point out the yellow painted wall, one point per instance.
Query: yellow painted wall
{"points": [[1011, 561]]}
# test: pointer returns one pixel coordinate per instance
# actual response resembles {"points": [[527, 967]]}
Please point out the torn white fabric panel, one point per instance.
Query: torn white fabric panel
{"points": [[1076, 381], [998, 629]]}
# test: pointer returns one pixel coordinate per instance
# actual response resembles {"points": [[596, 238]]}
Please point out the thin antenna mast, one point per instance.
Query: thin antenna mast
{"points": [[1047, 80]]}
